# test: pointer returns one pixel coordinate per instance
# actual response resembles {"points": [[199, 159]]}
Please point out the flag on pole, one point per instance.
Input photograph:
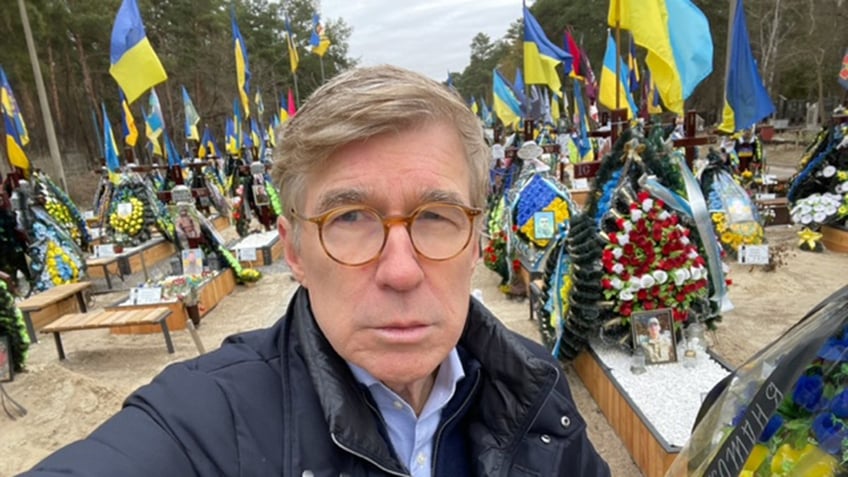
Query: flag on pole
{"points": [[541, 56], [746, 100], [843, 72], [505, 104], [474, 108], [9, 106], [171, 152], [242, 65], [677, 36], [110, 149], [607, 88], [230, 137], [294, 58], [284, 110], [292, 106], [271, 139], [583, 143], [319, 41], [207, 145], [128, 128], [260, 105], [517, 87], [154, 124], [576, 70], [255, 133], [134, 64], [14, 146], [191, 117], [486, 113], [633, 80]]}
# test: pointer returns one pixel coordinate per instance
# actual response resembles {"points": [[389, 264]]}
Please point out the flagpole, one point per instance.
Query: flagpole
{"points": [[296, 93], [52, 143], [617, 53], [730, 21]]}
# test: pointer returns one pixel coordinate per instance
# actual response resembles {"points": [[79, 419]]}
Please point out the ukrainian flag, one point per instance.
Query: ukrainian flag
{"points": [[14, 147], [154, 124], [284, 110], [746, 100], [191, 117], [128, 128], [294, 58], [171, 152], [10, 106], [230, 137], [607, 87], [541, 57], [242, 65], [207, 145], [677, 36], [135, 65], [584, 144], [505, 104], [319, 41], [110, 148]]}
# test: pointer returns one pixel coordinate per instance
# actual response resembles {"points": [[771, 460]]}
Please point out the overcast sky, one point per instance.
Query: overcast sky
{"points": [[428, 36]]}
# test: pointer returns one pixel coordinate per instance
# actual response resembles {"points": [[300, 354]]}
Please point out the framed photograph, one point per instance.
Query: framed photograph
{"points": [[543, 225], [653, 333], [260, 195], [6, 368], [192, 259]]}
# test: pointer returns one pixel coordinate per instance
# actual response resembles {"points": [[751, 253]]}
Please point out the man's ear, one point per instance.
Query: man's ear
{"points": [[290, 249]]}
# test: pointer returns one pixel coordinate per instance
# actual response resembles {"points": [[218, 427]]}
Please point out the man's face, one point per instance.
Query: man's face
{"points": [[399, 316], [654, 329]]}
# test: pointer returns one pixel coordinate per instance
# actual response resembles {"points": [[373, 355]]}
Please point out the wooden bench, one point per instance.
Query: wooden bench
{"points": [[109, 319], [47, 306], [104, 263]]}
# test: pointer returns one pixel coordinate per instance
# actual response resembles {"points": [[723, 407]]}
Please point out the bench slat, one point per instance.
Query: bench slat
{"points": [[107, 319], [51, 296]]}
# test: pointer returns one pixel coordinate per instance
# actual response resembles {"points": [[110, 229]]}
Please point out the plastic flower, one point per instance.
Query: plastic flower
{"points": [[808, 392]]}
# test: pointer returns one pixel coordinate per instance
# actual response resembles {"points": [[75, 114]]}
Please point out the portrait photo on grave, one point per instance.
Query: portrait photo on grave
{"points": [[653, 333], [5, 360]]}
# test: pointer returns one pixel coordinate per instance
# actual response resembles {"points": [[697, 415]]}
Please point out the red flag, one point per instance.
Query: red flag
{"points": [[571, 47], [843, 73], [291, 105]]}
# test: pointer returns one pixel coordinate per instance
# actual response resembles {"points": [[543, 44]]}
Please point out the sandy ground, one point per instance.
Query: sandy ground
{"points": [[67, 400]]}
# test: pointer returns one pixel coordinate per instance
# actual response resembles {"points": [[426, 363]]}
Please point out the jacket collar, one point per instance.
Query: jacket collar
{"points": [[516, 386]]}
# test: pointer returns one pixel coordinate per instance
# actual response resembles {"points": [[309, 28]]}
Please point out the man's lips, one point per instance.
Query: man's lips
{"points": [[403, 333]]}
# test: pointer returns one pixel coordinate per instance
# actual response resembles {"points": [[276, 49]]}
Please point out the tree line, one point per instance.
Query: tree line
{"points": [[799, 44]]}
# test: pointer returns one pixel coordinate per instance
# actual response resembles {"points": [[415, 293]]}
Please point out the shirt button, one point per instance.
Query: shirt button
{"points": [[398, 405], [421, 458]]}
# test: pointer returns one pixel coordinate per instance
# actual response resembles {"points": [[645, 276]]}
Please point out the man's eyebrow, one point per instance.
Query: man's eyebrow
{"points": [[438, 195], [337, 198]]}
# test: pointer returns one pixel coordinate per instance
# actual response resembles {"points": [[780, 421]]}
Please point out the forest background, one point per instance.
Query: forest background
{"points": [[799, 45]]}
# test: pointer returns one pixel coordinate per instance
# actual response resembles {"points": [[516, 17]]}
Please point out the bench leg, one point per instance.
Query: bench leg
{"points": [[266, 256], [81, 302], [58, 339], [194, 336], [167, 333], [106, 274], [30, 327]]}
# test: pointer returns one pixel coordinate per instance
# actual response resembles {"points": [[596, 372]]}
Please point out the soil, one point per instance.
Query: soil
{"points": [[67, 399]]}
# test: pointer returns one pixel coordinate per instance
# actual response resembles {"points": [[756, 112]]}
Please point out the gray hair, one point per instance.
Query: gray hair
{"points": [[365, 102]]}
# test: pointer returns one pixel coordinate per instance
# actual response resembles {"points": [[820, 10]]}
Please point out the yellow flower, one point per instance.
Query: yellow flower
{"points": [[726, 237], [755, 459]]}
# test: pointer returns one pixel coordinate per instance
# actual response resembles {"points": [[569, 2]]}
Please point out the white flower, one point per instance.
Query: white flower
{"points": [[616, 283], [806, 219], [830, 210], [618, 268], [819, 217], [692, 255], [627, 227], [623, 239], [660, 276], [680, 275], [635, 283], [725, 268], [635, 214], [829, 171], [684, 240], [617, 252], [647, 204], [664, 215], [647, 281], [625, 295]]}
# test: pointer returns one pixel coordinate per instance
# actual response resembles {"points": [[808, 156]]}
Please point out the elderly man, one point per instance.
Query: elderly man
{"points": [[382, 364]]}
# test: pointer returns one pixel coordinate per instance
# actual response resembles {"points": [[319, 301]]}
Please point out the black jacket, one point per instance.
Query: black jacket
{"points": [[281, 402]]}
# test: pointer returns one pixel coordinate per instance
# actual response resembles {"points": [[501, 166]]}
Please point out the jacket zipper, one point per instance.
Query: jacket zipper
{"points": [[448, 420], [364, 457]]}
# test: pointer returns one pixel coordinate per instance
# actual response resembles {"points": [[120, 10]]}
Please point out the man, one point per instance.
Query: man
{"points": [[382, 364], [658, 346]]}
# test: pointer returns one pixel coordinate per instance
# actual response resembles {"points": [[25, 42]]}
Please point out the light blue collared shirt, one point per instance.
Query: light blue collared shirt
{"points": [[411, 435]]}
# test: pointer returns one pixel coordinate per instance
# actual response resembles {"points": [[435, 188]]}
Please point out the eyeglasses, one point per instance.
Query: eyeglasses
{"points": [[356, 235]]}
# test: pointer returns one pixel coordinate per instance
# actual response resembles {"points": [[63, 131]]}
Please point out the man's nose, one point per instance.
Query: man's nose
{"points": [[398, 266]]}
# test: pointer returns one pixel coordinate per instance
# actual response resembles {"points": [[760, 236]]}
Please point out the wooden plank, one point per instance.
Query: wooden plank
{"points": [[834, 239], [51, 296], [106, 319]]}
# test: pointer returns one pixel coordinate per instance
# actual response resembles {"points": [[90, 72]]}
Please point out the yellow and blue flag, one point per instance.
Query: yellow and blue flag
{"points": [[230, 138], [207, 145], [255, 133], [14, 147], [677, 36], [505, 103], [284, 110], [260, 105], [486, 113], [154, 124], [746, 100], [134, 64], [541, 56], [607, 87], [294, 58], [130, 132], [110, 148], [583, 143], [171, 152], [272, 141], [9, 107], [319, 41], [242, 65], [473, 105], [191, 117]]}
